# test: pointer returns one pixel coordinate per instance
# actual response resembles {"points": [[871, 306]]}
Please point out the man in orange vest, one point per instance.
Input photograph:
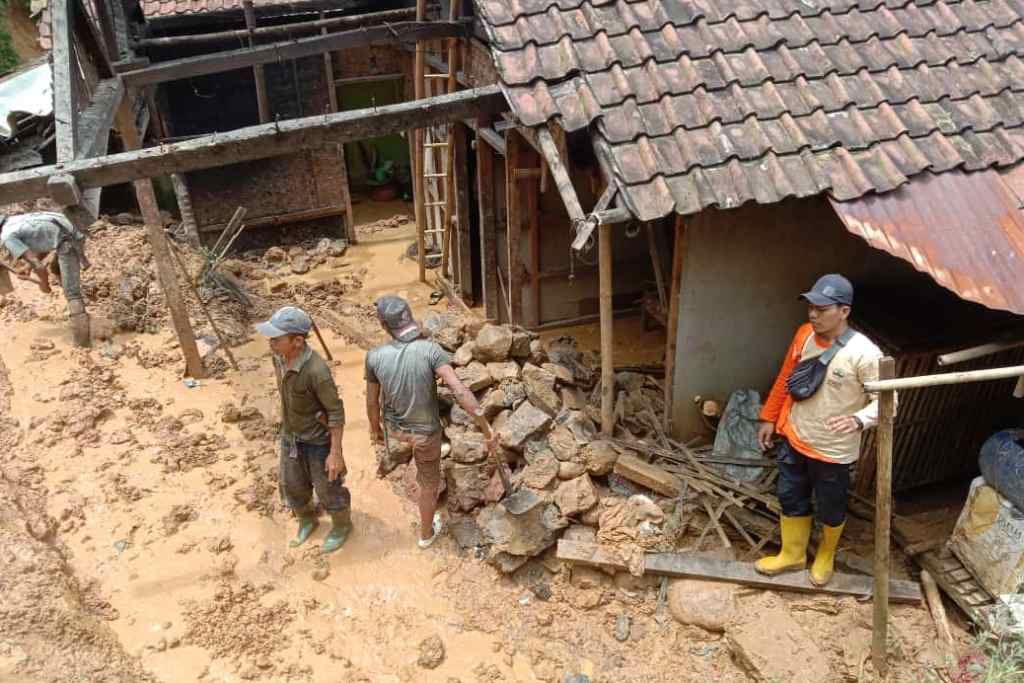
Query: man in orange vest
{"points": [[819, 406]]}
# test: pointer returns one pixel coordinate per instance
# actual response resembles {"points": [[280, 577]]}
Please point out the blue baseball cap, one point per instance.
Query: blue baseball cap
{"points": [[396, 315], [829, 290], [286, 320]]}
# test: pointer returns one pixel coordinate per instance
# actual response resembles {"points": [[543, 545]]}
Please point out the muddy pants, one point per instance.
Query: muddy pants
{"points": [[69, 260], [801, 477], [307, 472]]}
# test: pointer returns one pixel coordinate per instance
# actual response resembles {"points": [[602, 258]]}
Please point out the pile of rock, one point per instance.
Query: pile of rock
{"points": [[542, 399]]}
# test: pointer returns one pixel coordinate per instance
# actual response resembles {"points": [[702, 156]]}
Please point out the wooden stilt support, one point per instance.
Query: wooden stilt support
{"points": [[533, 217], [418, 161], [607, 327], [659, 277], [258, 74], [672, 324], [463, 247], [161, 251], [488, 227], [514, 207], [203, 306], [883, 518]]}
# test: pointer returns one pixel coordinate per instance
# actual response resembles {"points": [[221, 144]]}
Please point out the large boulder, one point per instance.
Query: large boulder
{"points": [[563, 444], [467, 485], [464, 355], [445, 330], [503, 371], [521, 344], [493, 344], [525, 422], [570, 470], [573, 398], [711, 605], [474, 376], [560, 372], [469, 448], [540, 472], [523, 524], [576, 496], [540, 389], [494, 402], [600, 457]]}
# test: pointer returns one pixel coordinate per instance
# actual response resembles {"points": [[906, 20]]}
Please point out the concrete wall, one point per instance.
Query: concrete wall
{"points": [[742, 272]]}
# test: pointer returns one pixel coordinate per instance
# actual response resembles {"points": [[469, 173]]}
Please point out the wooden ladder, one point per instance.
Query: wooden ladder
{"points": [[434, 149]]}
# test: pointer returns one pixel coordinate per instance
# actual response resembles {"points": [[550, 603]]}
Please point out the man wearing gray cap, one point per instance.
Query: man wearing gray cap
{"points": [[312, 425], [44, 236], [403, 373], [819, 405]]}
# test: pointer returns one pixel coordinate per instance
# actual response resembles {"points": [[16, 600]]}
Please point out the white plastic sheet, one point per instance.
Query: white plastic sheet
{"points": [[30, 91]]}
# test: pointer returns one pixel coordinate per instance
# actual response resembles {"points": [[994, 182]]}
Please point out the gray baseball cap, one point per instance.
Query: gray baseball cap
{"points": [[396, 315], [286, 320], [830, 289]]}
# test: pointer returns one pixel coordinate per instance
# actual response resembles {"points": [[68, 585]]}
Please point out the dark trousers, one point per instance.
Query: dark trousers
{"points": [[800, 477], [307, 472]]}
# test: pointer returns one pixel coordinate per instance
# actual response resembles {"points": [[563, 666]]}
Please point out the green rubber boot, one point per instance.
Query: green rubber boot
{"points": [[340, 529], [307, 525]]}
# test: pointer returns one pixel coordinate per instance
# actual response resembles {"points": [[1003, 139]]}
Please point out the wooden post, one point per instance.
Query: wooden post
{"points": [[488, 226], [258, 73], [419, 182], [672, 323], [514, 228], [188, 216], [659, 277], [349, 226], [883, 517], [938, 611], [464, 249], [449, 180], [161, 251], [65, 79], [533, 216], [607, 326]]}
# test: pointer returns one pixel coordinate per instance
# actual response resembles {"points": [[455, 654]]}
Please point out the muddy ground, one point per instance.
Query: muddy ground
{"points": [[142, 538]]}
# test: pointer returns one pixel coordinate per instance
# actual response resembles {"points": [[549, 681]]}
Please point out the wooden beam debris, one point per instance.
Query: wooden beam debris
{"points": [[218, 62], [283, 30], [65, 79], [692, 566], [255, 142]]}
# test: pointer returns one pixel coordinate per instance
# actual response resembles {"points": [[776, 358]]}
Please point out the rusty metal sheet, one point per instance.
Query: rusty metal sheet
{"points": [[966, 230]]}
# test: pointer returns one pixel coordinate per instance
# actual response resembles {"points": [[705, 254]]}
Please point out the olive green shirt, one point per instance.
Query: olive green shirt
{"points": [[307, 389]]}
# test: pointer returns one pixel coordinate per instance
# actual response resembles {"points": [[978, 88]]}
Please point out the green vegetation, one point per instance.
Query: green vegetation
{"points": [[8, 57], [1004, 660]]}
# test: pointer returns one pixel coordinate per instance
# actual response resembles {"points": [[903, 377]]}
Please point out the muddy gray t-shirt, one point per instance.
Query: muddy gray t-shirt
{"points": [[405, 372]]}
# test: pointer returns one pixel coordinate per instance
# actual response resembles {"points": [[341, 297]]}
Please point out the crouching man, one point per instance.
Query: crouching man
{"points": [[819, 406], [312, 425], [42, 238]]}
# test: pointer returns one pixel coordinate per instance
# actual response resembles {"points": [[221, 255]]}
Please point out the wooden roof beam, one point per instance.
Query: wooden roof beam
{"points": [[218, 62], [256, 142], [281, 30]]}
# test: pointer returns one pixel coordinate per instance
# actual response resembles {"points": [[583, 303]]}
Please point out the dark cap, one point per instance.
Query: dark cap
{"points": [[396, 315], [830, 289], [287, 320]]}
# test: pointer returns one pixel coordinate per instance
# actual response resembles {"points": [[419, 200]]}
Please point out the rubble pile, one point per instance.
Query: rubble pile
{"points": [[543, 400]]}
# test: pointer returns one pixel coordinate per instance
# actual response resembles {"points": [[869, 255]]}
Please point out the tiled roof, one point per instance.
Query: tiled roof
{"points": [[164, 8], [700, 103]]}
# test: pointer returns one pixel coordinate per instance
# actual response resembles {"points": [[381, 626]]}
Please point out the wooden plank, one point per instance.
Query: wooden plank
{"points": [[282, 218], [648, 475], [691, 566], [419, 152], [463, 225], [106, 19], [292, 29], [219, 62], [938, 612], [560, 174], [659, 277], [606, 294], [161, 252], [488, 227], [533, 218], [95, 122], [65, 79], [672, 325], [883, 518], [254, 142], [188, 217], [514, 209], [89, 36], [258, 74]]}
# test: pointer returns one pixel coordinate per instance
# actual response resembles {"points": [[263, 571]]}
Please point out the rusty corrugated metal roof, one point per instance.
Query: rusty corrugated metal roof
{"points": [[966, 230], [699, 103]]}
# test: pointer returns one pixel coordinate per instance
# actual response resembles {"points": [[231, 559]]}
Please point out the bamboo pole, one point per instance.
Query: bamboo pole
{"points": [[977, 352], [944, 379], [938, 611], [883, 517], [607, 326], [672, 324]]}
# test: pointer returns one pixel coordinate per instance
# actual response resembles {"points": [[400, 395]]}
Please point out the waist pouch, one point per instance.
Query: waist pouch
{"points": [[808, 375]]}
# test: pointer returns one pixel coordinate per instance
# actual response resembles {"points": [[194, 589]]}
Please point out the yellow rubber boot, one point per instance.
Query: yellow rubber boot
{"points": [[824, 559], [796, 534]]}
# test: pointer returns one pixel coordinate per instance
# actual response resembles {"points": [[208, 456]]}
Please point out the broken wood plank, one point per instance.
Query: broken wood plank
{"points": [[295, 28], [681, 565], [646, 474], [95, 122], [219, 62], [254, 142], [488, 227], [675, 286], [258, 74], [560, 174], [938, 612], [514, 206]]}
